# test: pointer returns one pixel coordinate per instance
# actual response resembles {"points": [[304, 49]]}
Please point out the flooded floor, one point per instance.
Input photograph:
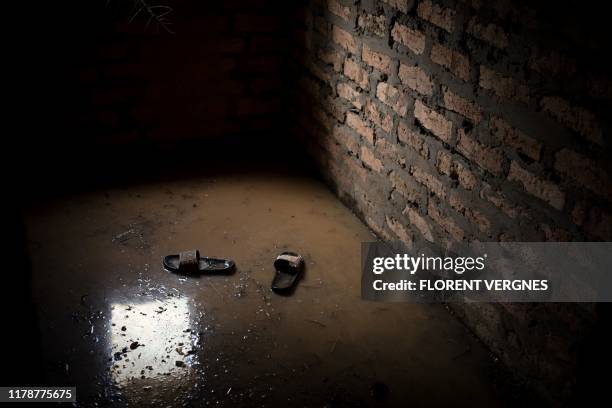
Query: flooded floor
{"points": [[128, 333]]}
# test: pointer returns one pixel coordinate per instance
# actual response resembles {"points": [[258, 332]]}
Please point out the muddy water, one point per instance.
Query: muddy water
{"points": [[126, 332]]}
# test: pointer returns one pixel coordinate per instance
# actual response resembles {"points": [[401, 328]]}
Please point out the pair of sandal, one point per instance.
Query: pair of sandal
{"points": [[289, 267]]}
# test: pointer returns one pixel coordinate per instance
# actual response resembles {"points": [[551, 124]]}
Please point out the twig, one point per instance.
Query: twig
{"points": [[316, 322], [156, 13], [334, 347]]}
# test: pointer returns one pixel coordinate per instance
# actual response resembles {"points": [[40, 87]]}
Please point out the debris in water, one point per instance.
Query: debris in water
{"points": [[179, 363], [318, 323], [135, 345]]}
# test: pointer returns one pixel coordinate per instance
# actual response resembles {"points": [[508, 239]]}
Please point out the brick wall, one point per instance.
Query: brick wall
{"points": [[441, 121], [215, 69]]}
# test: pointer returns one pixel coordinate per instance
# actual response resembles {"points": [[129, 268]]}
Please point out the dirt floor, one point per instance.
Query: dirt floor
{"points": [[126, 332]]}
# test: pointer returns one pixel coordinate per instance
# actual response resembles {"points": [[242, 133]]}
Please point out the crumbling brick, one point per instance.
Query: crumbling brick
{"points": [[416, 79], [436, 14], [536, 186], [344, 39], [413, 39], [457, 63], [433, 121], [393, 97], [360, 126]]}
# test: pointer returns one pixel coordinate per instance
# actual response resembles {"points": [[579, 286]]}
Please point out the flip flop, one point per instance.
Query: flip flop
{"points": [[190, 263], [289, 267]]}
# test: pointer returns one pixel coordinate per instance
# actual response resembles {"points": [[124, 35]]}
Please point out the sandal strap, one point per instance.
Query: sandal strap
{"points": [[294, 260], [189, 261]]}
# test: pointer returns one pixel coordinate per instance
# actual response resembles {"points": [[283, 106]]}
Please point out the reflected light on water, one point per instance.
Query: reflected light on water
{"points": [[151, 341]]}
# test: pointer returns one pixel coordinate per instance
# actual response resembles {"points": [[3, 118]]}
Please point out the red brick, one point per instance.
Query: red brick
{"points": [[401, 5], [413, 139], [344, 137], [599, 224], [378, 60], [457, 63], [354, 71], [462, 106], [399, 183], [474, 216], [308, 125], [413, 39], [419, 222], [488, 158], [433, 121], [303, 15], [356, 169], [503, 86], [372, 24], [437, 15], [365, 202], [542, 189], [575, 117], [515, 138], [379, 117], [555, 234], [548, 61], [332, 58], [399, 231], [334, 108], [454, 169], [360, 126], [344, 39], [368, 158], [392, 97], [500, 200], [585, 171], [336, 172], [428, 180], [489, 33], [347, 92], [321, 25], [323, 118], [330, 145], [338, 9], [444, 222], [317, 71], [388, 151], [379, 229], [416, 79]]}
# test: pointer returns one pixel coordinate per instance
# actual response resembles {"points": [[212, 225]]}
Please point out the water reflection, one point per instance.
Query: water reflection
{"points": [[152, 345]]}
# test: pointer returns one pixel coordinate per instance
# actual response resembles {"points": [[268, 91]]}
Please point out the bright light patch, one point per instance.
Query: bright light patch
{"points": [[151, 339]]}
